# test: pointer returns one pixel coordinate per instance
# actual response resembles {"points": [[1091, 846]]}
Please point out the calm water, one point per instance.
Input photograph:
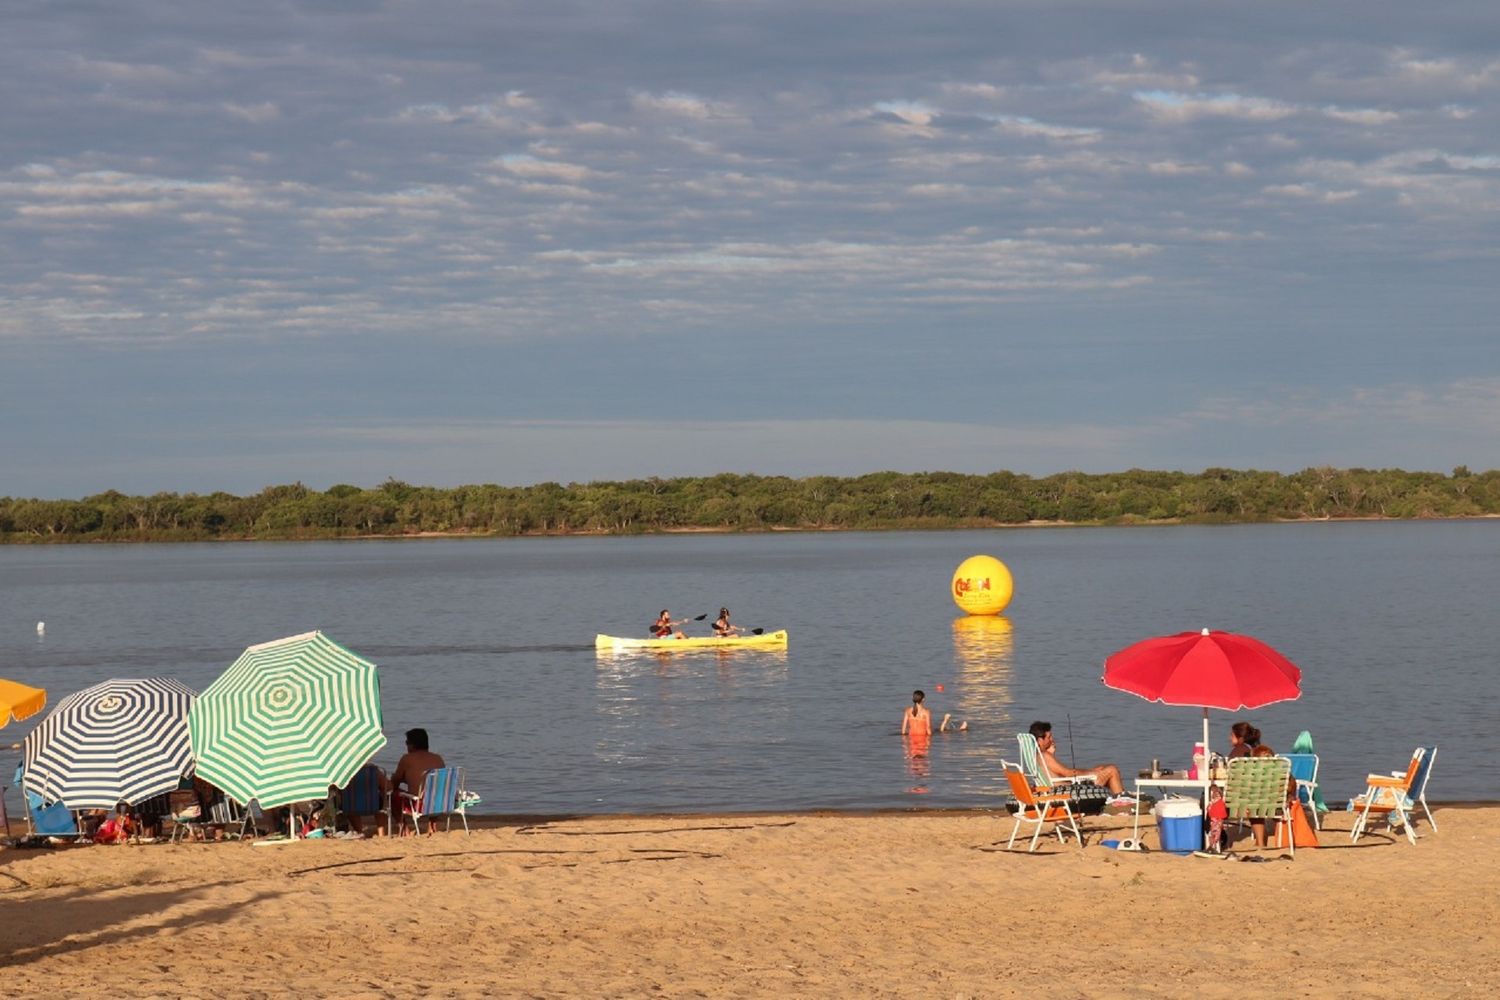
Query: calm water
{"points": [[489, 644]]}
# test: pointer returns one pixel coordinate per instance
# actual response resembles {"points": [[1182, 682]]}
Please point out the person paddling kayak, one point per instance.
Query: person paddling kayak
{"points": [[722, 628], [664, 626]]}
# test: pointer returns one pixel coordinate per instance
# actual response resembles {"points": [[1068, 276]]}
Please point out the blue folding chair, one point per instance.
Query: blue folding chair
{"points": [[363, 797], [46, 819], [1305, 771], [442, 794], [1418, 793]]}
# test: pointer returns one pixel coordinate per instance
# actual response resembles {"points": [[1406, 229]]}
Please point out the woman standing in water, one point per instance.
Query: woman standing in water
{"points": [[916, 721]]}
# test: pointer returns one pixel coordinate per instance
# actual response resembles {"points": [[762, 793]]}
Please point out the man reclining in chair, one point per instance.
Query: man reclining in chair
{"points": [[1107, 775]]}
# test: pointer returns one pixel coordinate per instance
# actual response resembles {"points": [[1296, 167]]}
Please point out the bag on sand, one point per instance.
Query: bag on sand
{"points": [[1303, 835], [184, 805]]}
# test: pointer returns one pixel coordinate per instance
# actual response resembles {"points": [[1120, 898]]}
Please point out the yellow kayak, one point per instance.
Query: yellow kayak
{"points": [[777, 638]]}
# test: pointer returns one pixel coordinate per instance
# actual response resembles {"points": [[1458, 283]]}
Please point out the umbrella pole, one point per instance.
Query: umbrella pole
{"points": [[1208, 771]]}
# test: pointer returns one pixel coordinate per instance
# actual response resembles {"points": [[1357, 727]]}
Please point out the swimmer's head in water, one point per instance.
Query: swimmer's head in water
{"points": [[916, 697]]}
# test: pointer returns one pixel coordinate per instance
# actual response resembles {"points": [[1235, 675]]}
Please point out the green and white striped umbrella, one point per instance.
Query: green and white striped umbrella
{"points": [[286, 720]]}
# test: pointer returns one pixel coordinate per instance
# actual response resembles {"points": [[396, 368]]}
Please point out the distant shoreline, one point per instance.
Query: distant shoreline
{"points": [[728, 503], [702, 530]]}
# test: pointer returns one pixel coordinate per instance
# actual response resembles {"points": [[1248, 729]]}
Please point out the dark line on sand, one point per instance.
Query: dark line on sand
{"points": [[534, 830]]}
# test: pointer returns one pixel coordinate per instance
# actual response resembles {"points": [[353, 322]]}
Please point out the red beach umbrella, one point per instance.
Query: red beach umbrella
{"points": [[1204, 669]]}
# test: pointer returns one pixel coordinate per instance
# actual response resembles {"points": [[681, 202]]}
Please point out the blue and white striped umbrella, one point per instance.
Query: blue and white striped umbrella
{"points": [[120, 740]]}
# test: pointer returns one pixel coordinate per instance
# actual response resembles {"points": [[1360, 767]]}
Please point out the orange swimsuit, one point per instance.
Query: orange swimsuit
{"points": [[921, 723]]}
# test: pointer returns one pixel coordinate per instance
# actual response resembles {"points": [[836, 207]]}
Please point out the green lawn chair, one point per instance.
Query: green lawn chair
{"points": [[1256, 788]]}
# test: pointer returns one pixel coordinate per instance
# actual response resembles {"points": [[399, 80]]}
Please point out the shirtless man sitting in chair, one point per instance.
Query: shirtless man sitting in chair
{"points": [[1107, 775], [411, 772]]}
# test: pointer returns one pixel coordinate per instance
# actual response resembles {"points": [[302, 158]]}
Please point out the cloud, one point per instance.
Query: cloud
{"points": [[531, 167], [1070, 207], [682, 105], [1179, 108], [1362, 116], [1466, 406], [1452, 73], [256, 114]]}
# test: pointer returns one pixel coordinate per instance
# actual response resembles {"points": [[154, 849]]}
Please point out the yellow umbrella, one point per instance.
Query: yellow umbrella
{"points": [[17, 701]]}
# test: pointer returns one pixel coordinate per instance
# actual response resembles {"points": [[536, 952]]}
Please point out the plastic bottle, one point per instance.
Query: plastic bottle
{"points": [[1199, 762]]}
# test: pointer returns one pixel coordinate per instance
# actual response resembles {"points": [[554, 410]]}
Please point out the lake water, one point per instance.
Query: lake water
{"points": [[489, 644]]}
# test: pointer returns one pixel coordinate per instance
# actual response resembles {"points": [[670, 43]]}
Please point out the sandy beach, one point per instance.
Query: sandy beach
{"points": [[893, 904]]}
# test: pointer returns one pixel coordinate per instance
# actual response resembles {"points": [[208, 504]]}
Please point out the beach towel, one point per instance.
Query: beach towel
{"points": [[1304, 744]]}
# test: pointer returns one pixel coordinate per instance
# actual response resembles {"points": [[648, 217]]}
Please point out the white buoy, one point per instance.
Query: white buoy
{"points": [[41, 628]]}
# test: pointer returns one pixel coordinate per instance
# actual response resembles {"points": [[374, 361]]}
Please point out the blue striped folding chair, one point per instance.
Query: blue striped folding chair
{"points": [[363, 797], [1419, 786], [442, 795]]}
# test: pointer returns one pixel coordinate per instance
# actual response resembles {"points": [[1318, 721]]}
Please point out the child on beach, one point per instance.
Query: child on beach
{"points": [[1218, 812], [118, 829]]}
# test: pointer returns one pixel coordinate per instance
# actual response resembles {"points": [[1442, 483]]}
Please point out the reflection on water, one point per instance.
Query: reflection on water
{"points": [[984, 653], [984, 650], [611, 659], [670, 725], [918, 749]]}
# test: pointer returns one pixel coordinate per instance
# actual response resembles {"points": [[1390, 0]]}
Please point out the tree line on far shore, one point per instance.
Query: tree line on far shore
{"points": [[727, 502]]}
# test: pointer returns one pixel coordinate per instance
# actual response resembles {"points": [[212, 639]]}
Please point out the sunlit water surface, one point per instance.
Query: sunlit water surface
{"points": [[490, 645]]}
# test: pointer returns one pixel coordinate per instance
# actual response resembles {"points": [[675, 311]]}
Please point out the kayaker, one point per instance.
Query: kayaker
{"points": [[664, 626], [722, 628]]}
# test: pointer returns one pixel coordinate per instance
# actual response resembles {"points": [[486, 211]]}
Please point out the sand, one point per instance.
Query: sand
{"points": [[905, 904]]}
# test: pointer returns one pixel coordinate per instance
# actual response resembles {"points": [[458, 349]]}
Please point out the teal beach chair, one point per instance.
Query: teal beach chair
{"points": [[1305, 773]]}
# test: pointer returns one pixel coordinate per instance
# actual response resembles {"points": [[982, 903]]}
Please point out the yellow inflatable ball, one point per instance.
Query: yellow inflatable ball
{"points": [[982, 585]]}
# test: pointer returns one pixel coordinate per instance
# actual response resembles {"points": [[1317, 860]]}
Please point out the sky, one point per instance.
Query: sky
{"points": [[458, 241]]}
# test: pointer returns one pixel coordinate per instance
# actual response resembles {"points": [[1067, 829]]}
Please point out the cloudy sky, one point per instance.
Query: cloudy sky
{"points": [[458, 241]]}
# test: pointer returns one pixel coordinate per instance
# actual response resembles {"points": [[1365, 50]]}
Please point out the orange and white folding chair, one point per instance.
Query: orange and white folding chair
{"points": [[1034, 805], [1389, 795]]}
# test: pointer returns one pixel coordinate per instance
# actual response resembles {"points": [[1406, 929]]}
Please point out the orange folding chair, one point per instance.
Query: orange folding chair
{"points": [[1036, 806], [1390, 795]]}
